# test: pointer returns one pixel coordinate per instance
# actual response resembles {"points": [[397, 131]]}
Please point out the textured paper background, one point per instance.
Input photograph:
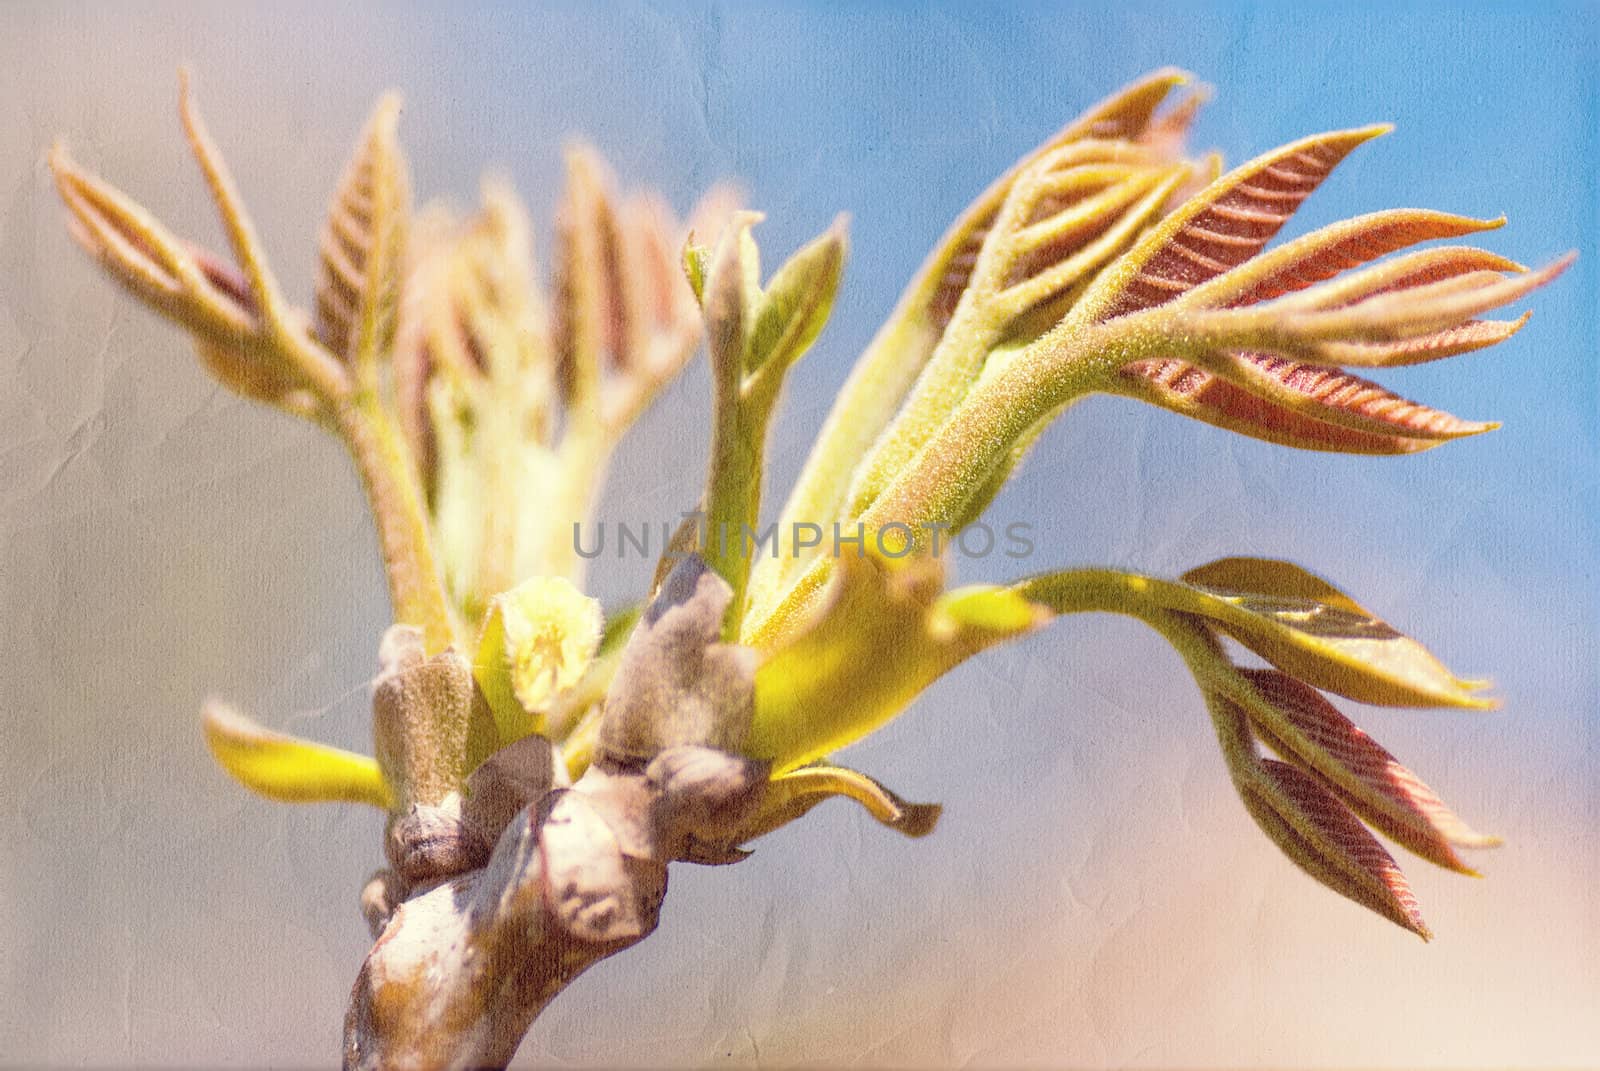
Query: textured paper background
{"points": [[1096, 896]]}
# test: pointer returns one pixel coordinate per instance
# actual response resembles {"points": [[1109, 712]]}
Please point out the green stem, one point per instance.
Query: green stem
{"points": [[1161, 604], [958, 463], [733, 498], [416, 590]]}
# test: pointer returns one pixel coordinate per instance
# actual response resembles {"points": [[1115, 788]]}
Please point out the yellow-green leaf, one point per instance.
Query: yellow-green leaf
{"points": [[288, 769], [695, 258], [884, 633], [797, 301], [1312, 630]]}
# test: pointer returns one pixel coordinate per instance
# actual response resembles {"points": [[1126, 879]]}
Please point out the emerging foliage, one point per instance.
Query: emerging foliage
{"points": [[537, 790]]}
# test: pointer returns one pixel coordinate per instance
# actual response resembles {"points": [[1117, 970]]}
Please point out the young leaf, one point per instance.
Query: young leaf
{"points": [[881, 379], [581, 316], [247, 249], [1312, 406], [1313, 631], [695, 259], [1315, 419], [1312, 733], [1309, 824], [738, 437], [1021, 267], [1327, 841], [362, 243], [1219, 228], [288, 769], [143, 256], [1329, 251], [1304, 405], [797, 301], [1407, 310]]}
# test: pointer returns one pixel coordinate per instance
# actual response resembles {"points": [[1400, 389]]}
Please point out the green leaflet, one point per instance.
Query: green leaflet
{"points": [[792, 310], [288, 769]]}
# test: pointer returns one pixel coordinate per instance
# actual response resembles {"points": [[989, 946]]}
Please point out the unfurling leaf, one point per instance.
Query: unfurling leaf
{"points": [[1328, 842], [1309, 824], [581, 310], [732, 294], [753, 337], [1308, 407], [1275, 372], [538, 640], [275, 314], [1220, 227], [362, 243], [1129, 115], [1313, 631], [152, 263], [288, 769], [1327, 252], [1336, 777], [1313, 734], [882, 378], [797, 301], [623, 318]]}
